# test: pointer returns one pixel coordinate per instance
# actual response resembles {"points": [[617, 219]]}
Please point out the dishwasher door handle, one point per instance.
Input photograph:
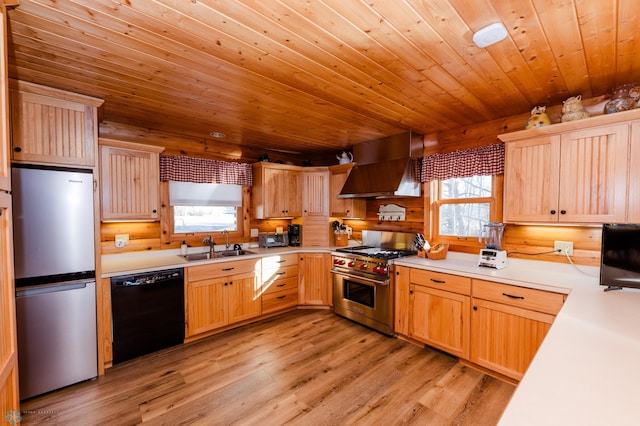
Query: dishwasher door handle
{"points": [[49, 289]]}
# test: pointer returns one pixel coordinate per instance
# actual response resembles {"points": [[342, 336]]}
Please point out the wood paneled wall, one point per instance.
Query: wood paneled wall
{"points": [[518, 238]]}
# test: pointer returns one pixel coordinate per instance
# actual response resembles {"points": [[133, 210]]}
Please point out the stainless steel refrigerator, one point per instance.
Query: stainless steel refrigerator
{"points": [[55, 277]]}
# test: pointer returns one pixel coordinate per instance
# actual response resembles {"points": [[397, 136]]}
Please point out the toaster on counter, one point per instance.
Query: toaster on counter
{"points": [[273, 240]]}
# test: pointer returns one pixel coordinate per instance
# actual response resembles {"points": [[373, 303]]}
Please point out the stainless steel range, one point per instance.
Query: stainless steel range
{"points": [[362, 278]]}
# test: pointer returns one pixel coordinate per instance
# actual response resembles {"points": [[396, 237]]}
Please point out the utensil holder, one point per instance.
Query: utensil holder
{"points": [[438, 255], [342, 240]]}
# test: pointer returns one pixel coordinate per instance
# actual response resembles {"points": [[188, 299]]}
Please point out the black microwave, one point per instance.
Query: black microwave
{"points": [[620, 255]]}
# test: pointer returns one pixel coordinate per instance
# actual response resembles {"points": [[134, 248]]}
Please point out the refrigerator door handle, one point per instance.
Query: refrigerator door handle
{"points": [[49, 289]]}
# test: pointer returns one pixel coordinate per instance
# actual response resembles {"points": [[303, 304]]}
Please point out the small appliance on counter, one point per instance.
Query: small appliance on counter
{"points": [[295, 235], [492, 256], [273, 240]]}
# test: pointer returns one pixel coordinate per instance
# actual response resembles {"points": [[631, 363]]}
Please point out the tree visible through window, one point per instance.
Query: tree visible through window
{"points": [[464, 205]]}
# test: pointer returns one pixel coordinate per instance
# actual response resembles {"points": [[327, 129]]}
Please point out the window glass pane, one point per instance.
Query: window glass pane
{"points": [[463, 220], [204, 219], [469, 187]]}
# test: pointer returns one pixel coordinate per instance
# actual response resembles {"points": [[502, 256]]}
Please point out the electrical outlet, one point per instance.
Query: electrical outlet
{"points": [[565, 247], [122, 240]]}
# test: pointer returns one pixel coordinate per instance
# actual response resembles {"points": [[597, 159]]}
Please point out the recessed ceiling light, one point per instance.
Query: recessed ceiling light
{"points": [[217, 135], [490, 35]]}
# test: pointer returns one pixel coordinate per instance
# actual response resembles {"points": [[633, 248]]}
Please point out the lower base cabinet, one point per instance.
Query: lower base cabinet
{"points": [[509, 324], [315, 279], [439, 306], [279, 283], [220, 294], [492, 325]]}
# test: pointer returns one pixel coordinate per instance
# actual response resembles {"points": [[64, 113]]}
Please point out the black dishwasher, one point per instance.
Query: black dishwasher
{"points": [[148, 313]]}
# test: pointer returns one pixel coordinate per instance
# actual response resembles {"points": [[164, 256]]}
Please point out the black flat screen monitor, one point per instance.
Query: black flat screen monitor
{"points": [[620, 256]]}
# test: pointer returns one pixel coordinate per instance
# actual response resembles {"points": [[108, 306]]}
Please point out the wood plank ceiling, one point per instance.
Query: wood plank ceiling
{"points": [[312, 76]]}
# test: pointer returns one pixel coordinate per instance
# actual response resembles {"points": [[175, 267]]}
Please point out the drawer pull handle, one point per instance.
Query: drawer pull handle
{"points": [[280, 285], [280, 273], [438, 281], [228, 269], [281, 261], [512, 296], [281, 297]]}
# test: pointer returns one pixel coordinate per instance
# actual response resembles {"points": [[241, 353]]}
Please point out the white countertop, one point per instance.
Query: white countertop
{"points": [[156, 260], [587, 371]]}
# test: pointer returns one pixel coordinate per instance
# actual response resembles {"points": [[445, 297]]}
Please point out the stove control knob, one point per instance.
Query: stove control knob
{"points": [[351, 264], [376, 269], [336, 261], [384, 269], [363, 266]]}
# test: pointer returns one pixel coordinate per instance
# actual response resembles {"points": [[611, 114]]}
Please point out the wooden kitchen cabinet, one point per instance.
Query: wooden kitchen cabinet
{"points": [[509, 324], [276, 191], [315, 192], [315, 286], [130, 181], [345, 208], [440, 311], [220, 294], [633, 200], [401, 305], [9, 391], [279, 282], [51, 126], [571, 176]]}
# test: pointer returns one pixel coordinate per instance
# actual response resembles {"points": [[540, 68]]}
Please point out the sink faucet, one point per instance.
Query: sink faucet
{"points": [[212, 244], [227, 245]]}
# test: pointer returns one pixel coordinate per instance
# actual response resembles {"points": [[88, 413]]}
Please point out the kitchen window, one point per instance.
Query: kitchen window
{"points": [[461, 206], [204, 207]]}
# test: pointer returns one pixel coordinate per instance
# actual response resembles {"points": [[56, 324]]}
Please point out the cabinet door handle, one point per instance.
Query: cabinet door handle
{"points": [[552, 212], [475, 308], [512, 296], [226, 284], [280, 285], [17, 149], [410, 291], [438, 281], [154, 211], [563, 212], [230, 282], [281, 297], [228, 269], [280, 273]]}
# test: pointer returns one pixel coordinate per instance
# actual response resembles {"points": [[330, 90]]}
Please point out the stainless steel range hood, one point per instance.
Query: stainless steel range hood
{"points": [[386, 168]]}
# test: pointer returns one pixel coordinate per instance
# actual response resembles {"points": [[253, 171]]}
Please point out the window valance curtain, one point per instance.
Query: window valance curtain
{"points": [[484, 161], [200, 170]]}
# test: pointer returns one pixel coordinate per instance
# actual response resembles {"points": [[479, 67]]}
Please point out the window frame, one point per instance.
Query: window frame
{"points": [[168, 236], [495, 212]]}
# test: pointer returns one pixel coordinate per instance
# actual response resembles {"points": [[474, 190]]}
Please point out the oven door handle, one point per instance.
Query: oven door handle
{"points": [[358, 278]]}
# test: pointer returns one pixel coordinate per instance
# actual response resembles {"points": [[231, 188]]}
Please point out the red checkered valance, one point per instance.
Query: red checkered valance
{"points": [[484, 161], [200, 170]]}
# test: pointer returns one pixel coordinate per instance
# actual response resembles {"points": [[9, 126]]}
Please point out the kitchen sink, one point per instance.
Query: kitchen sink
{"points": [[206, 255], [197, 256], [227, 253]]}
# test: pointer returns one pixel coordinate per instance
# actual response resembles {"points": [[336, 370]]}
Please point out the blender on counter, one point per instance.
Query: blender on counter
{"points": [[492, 256]]}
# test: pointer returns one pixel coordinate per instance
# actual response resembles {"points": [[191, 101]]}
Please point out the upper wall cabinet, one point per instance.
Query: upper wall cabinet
{"points": [[129, 180], [575, 172], [315, 192], [52, 126], [276, 191], [346, 208]]}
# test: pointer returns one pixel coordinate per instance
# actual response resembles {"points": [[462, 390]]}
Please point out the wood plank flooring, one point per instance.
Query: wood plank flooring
{"points": [[306, 367]]}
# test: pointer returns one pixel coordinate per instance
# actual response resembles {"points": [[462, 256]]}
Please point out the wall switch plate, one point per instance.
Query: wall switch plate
{"points": [[122, 240], [254, 232], [565, 247]]}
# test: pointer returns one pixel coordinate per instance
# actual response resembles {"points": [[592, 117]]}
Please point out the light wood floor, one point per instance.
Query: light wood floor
{"points": [[307, 367]]}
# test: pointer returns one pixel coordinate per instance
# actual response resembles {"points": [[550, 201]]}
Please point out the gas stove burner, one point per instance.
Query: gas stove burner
{"points": [[392, 254]]}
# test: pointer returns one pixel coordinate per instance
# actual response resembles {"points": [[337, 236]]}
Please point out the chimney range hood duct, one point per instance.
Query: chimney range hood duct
{"points": [[386, 168]]}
